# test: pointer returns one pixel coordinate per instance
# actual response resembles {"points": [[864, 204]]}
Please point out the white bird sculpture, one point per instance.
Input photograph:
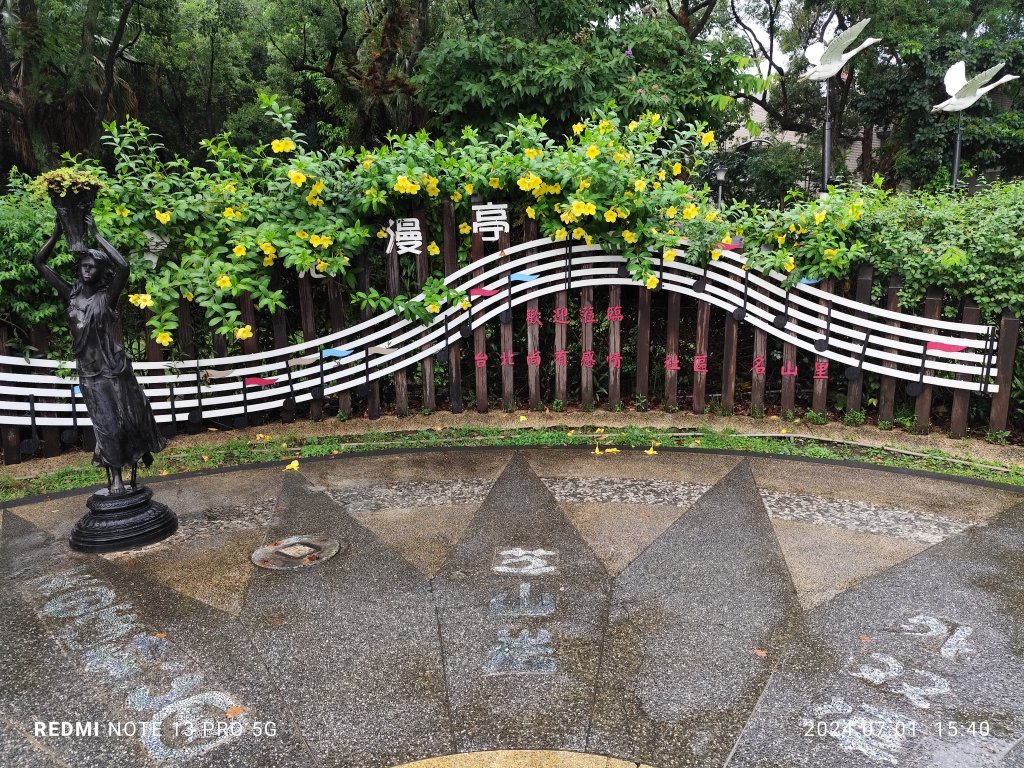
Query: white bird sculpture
{"points": [[826, 61], [964, 92]]}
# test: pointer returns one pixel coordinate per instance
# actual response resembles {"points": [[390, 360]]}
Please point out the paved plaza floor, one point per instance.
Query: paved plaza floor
{"points": [[524, 609]]}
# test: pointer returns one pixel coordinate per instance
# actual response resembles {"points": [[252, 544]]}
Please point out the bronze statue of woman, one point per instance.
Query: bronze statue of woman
{"points": [[123, 422]]}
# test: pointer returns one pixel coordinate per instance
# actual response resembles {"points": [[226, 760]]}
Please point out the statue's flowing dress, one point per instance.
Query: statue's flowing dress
{"points": [[126, 432]]}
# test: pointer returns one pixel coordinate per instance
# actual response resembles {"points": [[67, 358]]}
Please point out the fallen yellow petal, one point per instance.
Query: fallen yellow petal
{"points": [[597, 450], [599, 430], [293, 465], [611, 450], [570, 433], [206, 458], [522, 418]]}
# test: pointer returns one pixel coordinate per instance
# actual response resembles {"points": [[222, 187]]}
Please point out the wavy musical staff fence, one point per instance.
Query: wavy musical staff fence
{"points": [[40, 395]]}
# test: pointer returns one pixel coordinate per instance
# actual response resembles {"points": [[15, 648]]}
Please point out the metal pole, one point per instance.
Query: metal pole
{"points": [[956, 151], [826, 150], [720, 185]]}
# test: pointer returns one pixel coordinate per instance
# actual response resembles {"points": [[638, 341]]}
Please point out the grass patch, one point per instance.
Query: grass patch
{"points": [[241, 451]]}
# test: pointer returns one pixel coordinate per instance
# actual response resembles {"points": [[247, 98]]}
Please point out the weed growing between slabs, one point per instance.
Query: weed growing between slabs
{"points": [[263, 448]]}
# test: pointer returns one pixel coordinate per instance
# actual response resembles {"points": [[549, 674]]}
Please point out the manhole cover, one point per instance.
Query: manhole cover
{"points": [[295, 552]]}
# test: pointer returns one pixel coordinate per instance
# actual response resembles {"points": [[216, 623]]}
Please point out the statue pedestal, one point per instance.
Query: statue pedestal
{"points": [[119, 521]]}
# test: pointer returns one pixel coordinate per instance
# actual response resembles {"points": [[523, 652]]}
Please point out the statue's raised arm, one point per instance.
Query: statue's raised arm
{"points": [[62, 286]]}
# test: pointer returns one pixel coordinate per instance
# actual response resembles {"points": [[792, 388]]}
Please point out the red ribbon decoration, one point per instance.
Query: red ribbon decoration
{"points": [[256, 381], [482, 292], [941, 347]]}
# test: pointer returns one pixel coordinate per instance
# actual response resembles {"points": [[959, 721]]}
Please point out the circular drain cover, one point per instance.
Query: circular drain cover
{"points": [[295, 552]]}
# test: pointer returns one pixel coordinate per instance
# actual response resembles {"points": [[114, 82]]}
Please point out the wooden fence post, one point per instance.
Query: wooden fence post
{"points": [[245, 306], [561, 340], [480, 334], [789, 372], [336, 312], [962, 397], [700, 356], [672, 353], [614, 345], [923, 403], [641, 387], [887, 389], [185, 337], [422, 274], [758, 369], [450, 250], [393, 278], [855, 388], [587, 346], [363, 284], [819, 384], [508, 390], [532, 329], [11, 435], [731, 339], [279, 320], [308, 319], [1009, 331]]}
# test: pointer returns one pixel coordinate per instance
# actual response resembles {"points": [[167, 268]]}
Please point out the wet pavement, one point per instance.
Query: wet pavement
{"points": [[525, 609]]}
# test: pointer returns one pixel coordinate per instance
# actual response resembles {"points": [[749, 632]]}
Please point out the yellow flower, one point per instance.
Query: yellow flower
{"points": [[245, 332], [561, 234], [656, 185], [282, 145], [599, 430], [577, 129], [321, 265], [650, 451], [430, 184], [406, 186], [633, 125], [597, 450], [187, 296], [469, 189], [223, 281], [716, 255], [671, 211], [670, 254], [652, 282], [781, 239], [314, 240], [122, 212], [293, 465], [532, 153], [530, 212], [589, 209], [522, 418], [579, 233], [819, 216], [610, 216], [604, 127], [162, 216], [690, 211], [578, 207], [611, 450], [268, 260], [464, 228], [495, 182], [662, 175], [239, 250], [456, 196], [639, 185], [298, 178], [593, 151], [727, 240], [529, 182], [382, 233], [711, 216], [464, 304], [628, 236], [433, 309], [433, 248], [677, 169], [163, 338], [229, 187], [367, 162], [141, 300], [707, 138], [325, 241], [316, 202], [790, 265], [303, 235], [831, 253]]}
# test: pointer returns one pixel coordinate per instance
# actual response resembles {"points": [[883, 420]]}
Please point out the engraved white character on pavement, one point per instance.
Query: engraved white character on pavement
{"points": [[522, 655], [500, 605], [527, 562]]}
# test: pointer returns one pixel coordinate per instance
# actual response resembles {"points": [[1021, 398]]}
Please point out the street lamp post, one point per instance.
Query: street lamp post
{"points": [[720, 171]]}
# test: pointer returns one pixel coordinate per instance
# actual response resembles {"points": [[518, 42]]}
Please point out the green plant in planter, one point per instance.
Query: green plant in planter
{"points": [[64, 181]]}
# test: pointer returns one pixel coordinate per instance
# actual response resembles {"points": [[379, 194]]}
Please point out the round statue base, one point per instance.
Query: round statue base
{"points": [[120, 521]]}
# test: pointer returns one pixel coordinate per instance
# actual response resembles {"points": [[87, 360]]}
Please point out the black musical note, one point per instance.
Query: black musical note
{"points": [[915, 388], [854, 372], [318, 390], [288, 406], [242, 422], [989, 351], [506, 314], [701, 283], [71, 436], [821, 344], [30, 445], [363, 390], [740, 312], [195, 416], [780, 320]]}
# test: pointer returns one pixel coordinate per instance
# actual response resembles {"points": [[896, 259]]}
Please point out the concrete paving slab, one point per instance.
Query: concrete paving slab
{"points": [[423, 535], [918, 666], [826, 560], [696, 626], [675, 467], [407, 467], [351, 642], [521, 605]]}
